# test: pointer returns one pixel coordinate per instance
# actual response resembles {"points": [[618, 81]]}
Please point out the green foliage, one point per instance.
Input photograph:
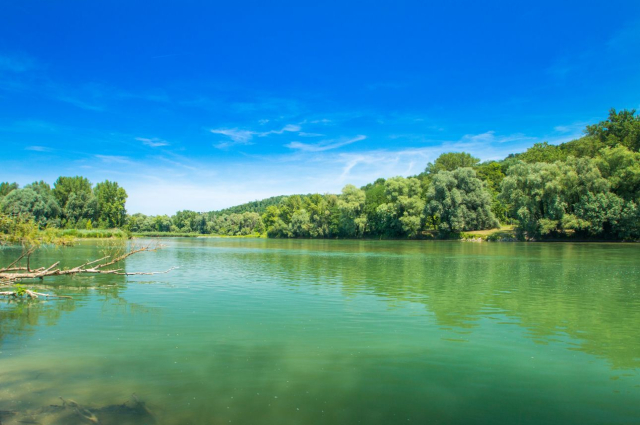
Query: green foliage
{"points": [[621, 167], [403, 214], [31, 205], [621, 128], [80, 206], [64, 187], [543, 152], [6, 187], [572, 196], [111, 199], [450, 161], [353, 220], [458, 200]]}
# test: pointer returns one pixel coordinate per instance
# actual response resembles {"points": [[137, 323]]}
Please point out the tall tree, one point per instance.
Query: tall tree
{"points": [[77, 190], [111, 203], [460, 201], [65, 186], [352, 221], [403, 214]]}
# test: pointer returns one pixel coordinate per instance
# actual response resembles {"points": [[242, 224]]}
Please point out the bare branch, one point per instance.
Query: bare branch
{"points": [[10, 275]]}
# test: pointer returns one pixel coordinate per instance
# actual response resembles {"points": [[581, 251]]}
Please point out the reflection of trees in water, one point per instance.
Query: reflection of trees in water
{"points": [[551, 290], [22, 317]]}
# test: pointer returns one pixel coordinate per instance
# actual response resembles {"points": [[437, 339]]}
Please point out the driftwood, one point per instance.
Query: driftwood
{"points": [[13, 273]]}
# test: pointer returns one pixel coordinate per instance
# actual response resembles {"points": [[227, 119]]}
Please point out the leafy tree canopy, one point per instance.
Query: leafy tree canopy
{"points": [[450, 161]]}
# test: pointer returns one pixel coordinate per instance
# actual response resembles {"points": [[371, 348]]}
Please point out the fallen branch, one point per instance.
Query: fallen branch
{"points": [[13, 273], [31, 294]]}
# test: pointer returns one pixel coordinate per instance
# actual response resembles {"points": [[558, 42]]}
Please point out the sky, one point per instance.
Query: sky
{"points": [[205, 105]]}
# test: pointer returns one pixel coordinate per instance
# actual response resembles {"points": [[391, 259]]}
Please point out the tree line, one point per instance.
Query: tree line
{"points": [[73, 202], [589, 188]]}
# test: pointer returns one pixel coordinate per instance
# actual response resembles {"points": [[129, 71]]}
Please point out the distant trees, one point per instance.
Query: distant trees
{"points": [[551, 199], [72, 203], [588, 187]]}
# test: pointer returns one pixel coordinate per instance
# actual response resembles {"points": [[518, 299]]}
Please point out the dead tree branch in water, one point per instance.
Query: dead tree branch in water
{"points": [[13, 273]]}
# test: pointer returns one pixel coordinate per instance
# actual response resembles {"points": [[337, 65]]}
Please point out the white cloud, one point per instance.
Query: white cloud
{"points": [[245, 137], [38, 149], [109, 159], [154, 142], [324, 145]]}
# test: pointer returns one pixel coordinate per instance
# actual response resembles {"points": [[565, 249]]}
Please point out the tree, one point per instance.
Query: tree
{"points": [[460, 201], [65, 186], [543, 152], [75, 198], [620, 128], [29, 204], [374, 197], [6, 187], [403, 214], [549, 199], [80, 206], [319, 211], [111, 199], [621, 167], [350, 204], [300, 224], [450, 161]]}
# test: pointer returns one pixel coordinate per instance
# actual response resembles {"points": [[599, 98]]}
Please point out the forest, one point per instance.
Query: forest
{"points": [[588, 188]]}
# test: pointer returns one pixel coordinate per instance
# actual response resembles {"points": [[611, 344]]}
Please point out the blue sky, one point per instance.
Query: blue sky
{"points": [[204, 105]]}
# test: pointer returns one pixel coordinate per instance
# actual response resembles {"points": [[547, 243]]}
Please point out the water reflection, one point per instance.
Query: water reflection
{"points": [[264, 331], [589, 293]]}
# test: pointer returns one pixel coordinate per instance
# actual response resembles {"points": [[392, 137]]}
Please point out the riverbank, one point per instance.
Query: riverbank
{"points": [[503, 234]]}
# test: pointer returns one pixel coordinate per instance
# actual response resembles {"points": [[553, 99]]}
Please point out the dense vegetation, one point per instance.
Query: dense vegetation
{"points": [[587, 188]]}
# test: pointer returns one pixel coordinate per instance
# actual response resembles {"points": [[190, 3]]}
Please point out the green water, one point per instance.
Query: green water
{"points": [[339, 332]]}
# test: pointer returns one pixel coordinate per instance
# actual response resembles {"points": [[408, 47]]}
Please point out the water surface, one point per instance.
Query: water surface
{"points": [[255, 331]]}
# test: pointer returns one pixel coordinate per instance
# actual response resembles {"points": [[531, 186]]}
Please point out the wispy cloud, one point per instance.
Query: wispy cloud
{"points": [[286, 128], [324, 145], [110, 159], [153, 142], [244, 137], [238, 137], [490, 137], [79, 103], [38, 149]]}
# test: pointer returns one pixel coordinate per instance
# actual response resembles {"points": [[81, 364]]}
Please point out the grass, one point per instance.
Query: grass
{"points": [[165, 235], [91, 234], [503, 233]]}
